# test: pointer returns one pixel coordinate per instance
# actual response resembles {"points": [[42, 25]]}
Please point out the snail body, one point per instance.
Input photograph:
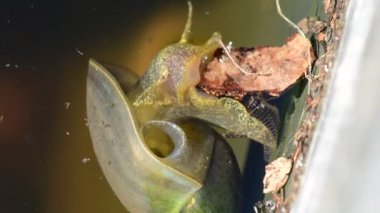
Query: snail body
{"points": [[168, 88]]}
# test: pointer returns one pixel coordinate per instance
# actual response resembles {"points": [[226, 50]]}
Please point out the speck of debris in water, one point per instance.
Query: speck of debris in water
{"points": [[79, 52], [85, 160], [67, 104]]}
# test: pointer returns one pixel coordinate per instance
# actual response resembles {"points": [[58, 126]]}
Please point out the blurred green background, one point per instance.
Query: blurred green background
{"points": [[46, 159]]}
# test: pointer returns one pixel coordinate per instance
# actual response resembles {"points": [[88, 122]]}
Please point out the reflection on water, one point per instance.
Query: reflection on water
{"points": [[46, 159]]}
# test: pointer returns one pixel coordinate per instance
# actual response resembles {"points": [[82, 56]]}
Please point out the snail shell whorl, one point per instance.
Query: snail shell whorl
{"points": [[200, 173]]}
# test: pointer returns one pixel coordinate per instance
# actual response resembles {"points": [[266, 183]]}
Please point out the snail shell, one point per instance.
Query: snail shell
{"points": [[199, 173]]}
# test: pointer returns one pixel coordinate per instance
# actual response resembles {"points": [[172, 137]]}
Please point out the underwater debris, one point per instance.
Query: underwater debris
{"points": [[271, 70]]}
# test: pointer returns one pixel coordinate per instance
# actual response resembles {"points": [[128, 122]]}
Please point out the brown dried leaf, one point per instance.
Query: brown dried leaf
{"points": [[276, 174], [271, 69]]}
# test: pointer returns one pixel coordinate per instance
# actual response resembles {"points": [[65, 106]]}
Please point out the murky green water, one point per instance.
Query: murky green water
{"points": [[46, 159]]}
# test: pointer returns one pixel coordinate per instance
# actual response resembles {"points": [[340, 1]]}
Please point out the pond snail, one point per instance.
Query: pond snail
{"points": [[152, 136]]}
